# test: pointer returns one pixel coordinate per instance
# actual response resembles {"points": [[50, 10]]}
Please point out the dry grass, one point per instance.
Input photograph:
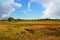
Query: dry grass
{"points": [[30, 30]]}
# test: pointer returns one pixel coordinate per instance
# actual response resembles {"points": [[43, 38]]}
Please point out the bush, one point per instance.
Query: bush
{"points": [[11, 19]]}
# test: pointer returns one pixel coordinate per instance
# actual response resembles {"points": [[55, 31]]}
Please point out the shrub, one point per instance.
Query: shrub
{"points": [[11, 19]]}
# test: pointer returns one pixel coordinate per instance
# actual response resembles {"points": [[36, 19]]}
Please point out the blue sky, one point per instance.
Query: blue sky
{"points": [[35, 13], [29, 9]]}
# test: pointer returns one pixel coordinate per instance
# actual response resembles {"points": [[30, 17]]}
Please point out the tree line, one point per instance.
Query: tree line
{"points": [[47, 19]]}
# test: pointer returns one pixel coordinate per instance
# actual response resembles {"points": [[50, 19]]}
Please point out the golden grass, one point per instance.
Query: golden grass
{"points": [[29, 30]]}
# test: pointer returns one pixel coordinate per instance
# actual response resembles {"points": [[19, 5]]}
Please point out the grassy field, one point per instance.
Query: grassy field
{"points": [[30, 30]]}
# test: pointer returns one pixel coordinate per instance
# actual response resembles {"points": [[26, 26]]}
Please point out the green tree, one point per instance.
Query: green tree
{"points": [[10, 19]]}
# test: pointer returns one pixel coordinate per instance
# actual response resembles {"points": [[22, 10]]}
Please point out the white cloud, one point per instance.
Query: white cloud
{"points": [[23, 11], [52, 7], [28, 8], [7, 7], [29, 5]]}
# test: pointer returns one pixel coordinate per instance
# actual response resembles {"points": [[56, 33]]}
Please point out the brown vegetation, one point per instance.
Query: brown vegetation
{"points": [[30, 30]]}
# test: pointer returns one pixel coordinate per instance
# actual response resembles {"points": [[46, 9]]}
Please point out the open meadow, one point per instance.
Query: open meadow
{"points": [[30, 30]]}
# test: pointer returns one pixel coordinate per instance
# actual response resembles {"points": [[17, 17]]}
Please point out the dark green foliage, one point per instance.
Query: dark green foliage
{"points": [[11, 19], [19, 20], [47, 19]]}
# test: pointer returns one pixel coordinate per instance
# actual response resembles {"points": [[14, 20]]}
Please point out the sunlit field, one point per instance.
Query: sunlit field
{"points": [[30, 30]]}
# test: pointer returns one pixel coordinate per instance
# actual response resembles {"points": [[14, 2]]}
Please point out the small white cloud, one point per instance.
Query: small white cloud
{"points": [[23, 11], [29, 9], [29, 5], [17, 5]]}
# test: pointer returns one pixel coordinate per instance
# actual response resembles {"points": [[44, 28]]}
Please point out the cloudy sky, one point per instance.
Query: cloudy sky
{"points": [[29, 9]]}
